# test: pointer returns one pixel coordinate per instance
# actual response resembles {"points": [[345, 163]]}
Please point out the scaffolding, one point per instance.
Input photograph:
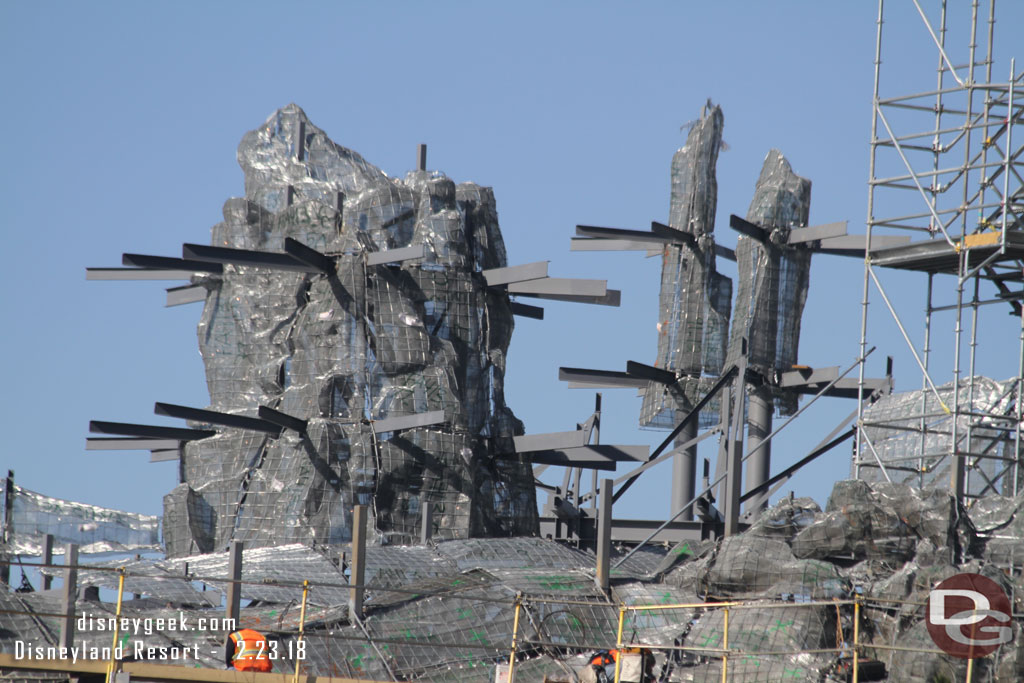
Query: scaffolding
{"points": [[946, 161]]}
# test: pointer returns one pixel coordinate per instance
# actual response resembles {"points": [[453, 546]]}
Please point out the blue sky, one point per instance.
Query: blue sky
{"points": [[122, 121]]}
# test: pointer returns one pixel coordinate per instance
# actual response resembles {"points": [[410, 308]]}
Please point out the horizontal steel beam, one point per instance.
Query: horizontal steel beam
{"points": [[846, 387], [149, 431], [136, 274], [599, 378], [725, 252], [377, 258], [164, 456], [169, 263], [853, 245], [549, 441], [747, 228], [619, 233], [560, 459], [816, 232], [522, 273], [670, 233], [651, 373], [394, 424], [560, 287], [246, 257], [612, 297], [597, 244], [214, 417], [308, 255], [636, 530], [187, 294], [794, 378], [129, 444], [526, 310], [282, 419]]}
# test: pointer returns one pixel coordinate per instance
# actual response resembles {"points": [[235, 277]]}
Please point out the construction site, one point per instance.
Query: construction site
{"points": [[358, 490]]}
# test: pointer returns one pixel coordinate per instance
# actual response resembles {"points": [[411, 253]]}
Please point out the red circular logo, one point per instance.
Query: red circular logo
{"points": [[968, 616]]}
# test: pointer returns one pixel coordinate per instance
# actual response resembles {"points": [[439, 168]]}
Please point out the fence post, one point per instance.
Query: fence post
{"points": [[302, 627], [112, 664], [725, 648], [515, 633], [69, 594], [618, 641], [604, 536], [234, 601], [856, 635], [358, 575]]}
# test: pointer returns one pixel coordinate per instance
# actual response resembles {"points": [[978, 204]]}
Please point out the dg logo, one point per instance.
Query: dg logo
{"points": [[968, 616]]}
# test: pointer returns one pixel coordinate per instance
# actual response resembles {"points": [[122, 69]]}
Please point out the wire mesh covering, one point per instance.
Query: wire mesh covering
{"points": [[339, 350], [95, 529], [693, 306], [912, 435], [773, 277]]}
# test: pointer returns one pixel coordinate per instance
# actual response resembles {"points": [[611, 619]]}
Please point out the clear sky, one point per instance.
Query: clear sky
{"points": [[122, 120]]}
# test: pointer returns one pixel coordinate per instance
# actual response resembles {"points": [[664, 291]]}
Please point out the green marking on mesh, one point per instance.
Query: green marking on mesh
{"points": [[666, 598], [357, 662], [458, 582], [711, 639], [464, 613], [792, 673], [480, 637], [780, 625], [750, 658], [409, 635], [574, 622], [272, 614], [684, 549]]}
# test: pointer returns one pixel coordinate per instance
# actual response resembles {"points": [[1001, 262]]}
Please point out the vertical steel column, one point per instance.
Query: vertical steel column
{"points": [[684, 471], [421, 157], [7, 532], [426, 520], [69, 592], [734, 475], [604, 536], [358, 576], [47, 559], [759, 426], [234, 598]]}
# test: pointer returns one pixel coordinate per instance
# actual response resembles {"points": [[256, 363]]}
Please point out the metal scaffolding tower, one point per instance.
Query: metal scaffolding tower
{"points": [[946, 161]]}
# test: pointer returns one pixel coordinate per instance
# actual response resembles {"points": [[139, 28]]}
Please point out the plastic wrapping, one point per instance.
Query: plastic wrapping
{"points": [[915, 450], [95, 529], [774, 278], [693, 306], [367, 343]]}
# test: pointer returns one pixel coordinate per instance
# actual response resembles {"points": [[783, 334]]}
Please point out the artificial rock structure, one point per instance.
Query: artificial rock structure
{"points": [[349, 347]]}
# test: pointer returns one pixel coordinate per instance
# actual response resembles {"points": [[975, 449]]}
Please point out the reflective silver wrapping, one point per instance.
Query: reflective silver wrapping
{"points": [[693, 306], [340, 350], [95, 529]]}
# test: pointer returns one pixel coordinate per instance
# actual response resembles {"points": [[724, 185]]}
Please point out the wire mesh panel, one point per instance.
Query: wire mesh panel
{"points": [[910, 435]]}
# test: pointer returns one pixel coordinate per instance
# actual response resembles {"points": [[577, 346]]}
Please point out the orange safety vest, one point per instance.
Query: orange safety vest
{"points": [[251, 651]]}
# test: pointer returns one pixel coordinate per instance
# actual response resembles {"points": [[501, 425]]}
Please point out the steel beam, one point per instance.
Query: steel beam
{"points": [[612, 297], [214, 417], [510, 274], [187, 294], [585, 379], [136, 274], [309, 256], [394, 424], [560, 287], [164, 455], [526, 310], [129, 444], [357, 576], [282, 419], [598, 244], [149, 431], [747, 228], [619, 233], [759, 426], [651, 373], [234, 596], [169, 263], [379, 258], [246, 257], [560, 459], [604, 537], [684, 471], [551, 440], [676, 236], [69, 594], [816, 232]]}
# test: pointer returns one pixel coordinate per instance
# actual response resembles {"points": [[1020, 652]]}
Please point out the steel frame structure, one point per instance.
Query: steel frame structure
{"points": [[969, 190]]}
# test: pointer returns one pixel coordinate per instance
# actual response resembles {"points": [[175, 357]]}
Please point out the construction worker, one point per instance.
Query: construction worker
{"points": [[602, 665], [247, 650]]}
